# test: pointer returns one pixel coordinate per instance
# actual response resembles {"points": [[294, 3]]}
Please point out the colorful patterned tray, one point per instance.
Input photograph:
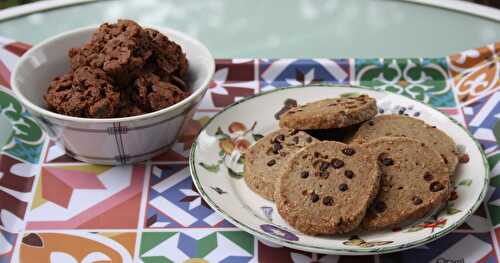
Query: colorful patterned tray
{"points": [[55, 208]]}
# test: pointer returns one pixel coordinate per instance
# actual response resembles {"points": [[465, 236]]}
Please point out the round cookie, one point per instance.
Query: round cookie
{"points": [[415, 181], [398, 125], [330, 113], [266, 158], [327, 188]]}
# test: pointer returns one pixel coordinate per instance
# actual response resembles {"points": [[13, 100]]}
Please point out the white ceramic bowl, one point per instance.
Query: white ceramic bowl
{"points": [[115, 140]]}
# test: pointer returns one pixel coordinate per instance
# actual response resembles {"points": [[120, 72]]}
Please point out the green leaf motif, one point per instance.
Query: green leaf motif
{"points": [[26, 139], [152, 239], [221, 153], [350, 94], [495, 176], [242, 239], [415, 228], [206, 245], [241, 160], [26, 129], [451, 210], [7, 101], [210, 167], [257, 136], [234, 174], [219, 133], [495, 180], [494, 214], [466, 182], [218, 190], [496, 131]]}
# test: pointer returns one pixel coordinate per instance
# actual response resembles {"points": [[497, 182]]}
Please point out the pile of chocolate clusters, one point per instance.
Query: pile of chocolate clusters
{"points": [[124, 70]]}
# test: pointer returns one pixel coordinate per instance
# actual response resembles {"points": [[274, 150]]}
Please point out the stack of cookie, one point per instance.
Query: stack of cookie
{"points": [[388, 171]]}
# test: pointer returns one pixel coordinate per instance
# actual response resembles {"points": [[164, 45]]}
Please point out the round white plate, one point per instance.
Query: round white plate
{"points": [[216, 167]]}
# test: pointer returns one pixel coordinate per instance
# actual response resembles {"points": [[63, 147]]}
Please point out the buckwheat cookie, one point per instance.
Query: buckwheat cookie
{"points": [[415, 181], [330, 113], [265, 160], [398, 125], [327, 188]]}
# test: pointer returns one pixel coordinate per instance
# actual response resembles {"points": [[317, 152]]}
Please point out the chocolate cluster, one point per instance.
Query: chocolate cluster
{"points": [[124, 70]]}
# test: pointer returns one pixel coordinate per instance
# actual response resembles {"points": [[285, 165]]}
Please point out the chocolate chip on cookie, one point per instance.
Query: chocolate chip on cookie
{"points": [[343, 187], [349, 174], [332, 167], [268, 156], [399, 126], [415, 181], [328, 200], [337, 163]]}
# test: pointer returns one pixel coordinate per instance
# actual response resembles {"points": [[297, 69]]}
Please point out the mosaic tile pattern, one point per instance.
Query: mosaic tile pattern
{"points": [[152, 213]]}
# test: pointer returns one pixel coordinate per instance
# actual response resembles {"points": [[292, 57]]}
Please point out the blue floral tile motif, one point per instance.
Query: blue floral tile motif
{"points": [[454, 247], [174, 202], [29, 153], [483, 120], [277, 73]]}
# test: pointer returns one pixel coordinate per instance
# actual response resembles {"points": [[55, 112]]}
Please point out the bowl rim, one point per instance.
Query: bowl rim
{"points": [[45, 112]]}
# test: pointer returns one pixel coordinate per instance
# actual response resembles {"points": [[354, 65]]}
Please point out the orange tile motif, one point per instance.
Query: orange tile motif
{"points": [[475, 72]]}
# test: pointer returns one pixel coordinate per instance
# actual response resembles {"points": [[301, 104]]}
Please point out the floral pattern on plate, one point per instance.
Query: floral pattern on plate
{"points": [[357, 241], [232, 147], [251, 212]]}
